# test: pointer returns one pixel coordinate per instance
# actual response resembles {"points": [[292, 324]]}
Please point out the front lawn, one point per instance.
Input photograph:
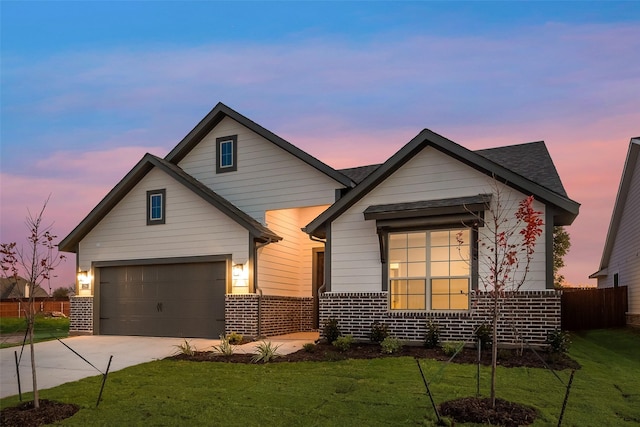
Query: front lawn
{"points": [[45, 328], [386, 391]]}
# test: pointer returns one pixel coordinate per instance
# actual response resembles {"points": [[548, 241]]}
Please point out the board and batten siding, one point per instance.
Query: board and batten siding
{"points": [[625, 254], [285, 267], [430, 175], [267, 176], [193, 228]]}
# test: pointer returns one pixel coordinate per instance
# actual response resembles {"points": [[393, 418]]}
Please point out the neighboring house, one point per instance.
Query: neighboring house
{"points": [[238, 230], [18, 289], [620, 264]]}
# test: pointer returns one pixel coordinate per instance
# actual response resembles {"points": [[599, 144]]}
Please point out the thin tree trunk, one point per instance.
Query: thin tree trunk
{"points": [[36, 397], [494, 351]]}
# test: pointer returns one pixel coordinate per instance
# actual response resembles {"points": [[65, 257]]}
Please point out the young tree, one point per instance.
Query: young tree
{"points": [[561, 245], [506, 245], [35, 262]]}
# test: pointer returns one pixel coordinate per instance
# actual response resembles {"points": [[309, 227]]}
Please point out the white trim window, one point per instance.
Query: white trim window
{"points": [[429, 270], [156, 204], [227, 154]]}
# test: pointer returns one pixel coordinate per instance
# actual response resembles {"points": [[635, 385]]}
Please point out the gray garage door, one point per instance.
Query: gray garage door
{"points": [[168, 300]]}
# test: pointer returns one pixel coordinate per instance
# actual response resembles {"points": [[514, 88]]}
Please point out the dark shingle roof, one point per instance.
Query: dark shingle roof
{"points": [[359, 173], [530, 160], [10, 288]]}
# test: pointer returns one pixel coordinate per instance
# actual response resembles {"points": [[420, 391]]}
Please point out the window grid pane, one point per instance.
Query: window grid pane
{"points": [[226, 154], [436, 259], [156, 207]]}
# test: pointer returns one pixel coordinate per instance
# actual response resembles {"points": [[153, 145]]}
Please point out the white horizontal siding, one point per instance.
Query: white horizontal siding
{"points": [[430, 175], [193, 228], [267, 178], [285, 267], [625, 254]]}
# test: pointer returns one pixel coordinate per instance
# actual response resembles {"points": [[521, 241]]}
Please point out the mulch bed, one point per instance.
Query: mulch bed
{"points": [[474, 408], [24, 415], [324, 352]]}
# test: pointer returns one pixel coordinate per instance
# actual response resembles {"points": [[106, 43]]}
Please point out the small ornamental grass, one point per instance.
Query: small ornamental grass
{"points": [[265, 352], [185, 348], [309, 347], [225, 348]]}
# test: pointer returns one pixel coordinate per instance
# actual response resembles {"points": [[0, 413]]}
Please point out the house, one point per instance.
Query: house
{"points": [[620, 263], [11, 288], [238, 230]]}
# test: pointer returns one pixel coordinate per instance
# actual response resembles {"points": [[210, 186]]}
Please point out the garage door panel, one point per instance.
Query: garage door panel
{"points": [[182, 300]]}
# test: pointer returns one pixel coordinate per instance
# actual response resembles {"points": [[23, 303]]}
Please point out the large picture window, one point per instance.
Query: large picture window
{"points": [[429, 270]]}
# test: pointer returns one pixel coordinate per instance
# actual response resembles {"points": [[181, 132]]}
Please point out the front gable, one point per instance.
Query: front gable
{"points": [[263, 177]]}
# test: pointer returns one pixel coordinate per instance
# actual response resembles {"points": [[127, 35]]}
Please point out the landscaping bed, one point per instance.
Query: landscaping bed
{"points": [[324, 352]]}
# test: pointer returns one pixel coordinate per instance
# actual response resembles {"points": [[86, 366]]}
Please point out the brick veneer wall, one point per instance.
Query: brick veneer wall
{"points": [[279, 315], [81, 317], [527, 315]]}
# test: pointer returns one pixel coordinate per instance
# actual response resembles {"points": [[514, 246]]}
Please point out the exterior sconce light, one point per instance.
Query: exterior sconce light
{"points": [[237, 270], [84, 279]]}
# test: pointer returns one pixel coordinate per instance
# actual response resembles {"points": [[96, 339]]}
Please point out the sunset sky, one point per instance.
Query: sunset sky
{"points": [[88, 87]]}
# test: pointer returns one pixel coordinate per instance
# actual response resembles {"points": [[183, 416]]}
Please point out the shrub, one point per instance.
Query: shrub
{"points": [[185, 348], [331, 331], [309, 347], [390, 345], [484, 334], [225, 348], [451, 347], [234, 338], [432, 338], [558, 341], [265, 352], [379, 331], [343, 343]]}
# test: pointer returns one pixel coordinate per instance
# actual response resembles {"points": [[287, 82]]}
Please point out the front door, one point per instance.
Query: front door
{"points": [[318, 282]]}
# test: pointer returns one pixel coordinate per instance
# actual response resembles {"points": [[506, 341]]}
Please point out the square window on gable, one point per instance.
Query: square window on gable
{"points": [[156, 204], [227, 154]]}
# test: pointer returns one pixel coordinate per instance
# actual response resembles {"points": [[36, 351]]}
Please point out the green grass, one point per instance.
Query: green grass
{"points": [[378, 392], [45, 328]]}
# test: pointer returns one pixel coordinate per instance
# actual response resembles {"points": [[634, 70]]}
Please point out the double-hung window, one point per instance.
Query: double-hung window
{"points": [[430, 269], [156, 203], [227, 154]]}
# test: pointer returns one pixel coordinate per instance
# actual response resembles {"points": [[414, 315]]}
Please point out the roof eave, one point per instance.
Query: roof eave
{"points": [[625, 182]]}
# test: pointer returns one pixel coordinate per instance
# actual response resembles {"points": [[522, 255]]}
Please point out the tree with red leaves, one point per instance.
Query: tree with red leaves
{"points": [[507, 243], [35, 262]]}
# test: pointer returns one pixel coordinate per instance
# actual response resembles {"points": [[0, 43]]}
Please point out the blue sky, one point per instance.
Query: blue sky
{"points": [[89, 87]]}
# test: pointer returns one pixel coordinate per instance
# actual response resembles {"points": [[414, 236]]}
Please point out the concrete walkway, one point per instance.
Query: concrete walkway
{"points": [[57, 364]]}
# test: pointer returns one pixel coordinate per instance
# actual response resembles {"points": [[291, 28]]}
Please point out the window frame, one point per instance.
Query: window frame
{"points": [[163, 206], [220, 142], [473, 265]]}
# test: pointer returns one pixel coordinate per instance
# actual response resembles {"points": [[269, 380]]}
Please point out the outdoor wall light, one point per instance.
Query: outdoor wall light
{"points": [[84, 279], [237, 270]]}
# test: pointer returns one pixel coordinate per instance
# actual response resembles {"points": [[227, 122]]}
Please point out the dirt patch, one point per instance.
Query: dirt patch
{"points": [[25, 415]]}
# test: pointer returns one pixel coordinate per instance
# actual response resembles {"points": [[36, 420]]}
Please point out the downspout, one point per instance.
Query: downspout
{"points": [[324, 276], [255, 283]]}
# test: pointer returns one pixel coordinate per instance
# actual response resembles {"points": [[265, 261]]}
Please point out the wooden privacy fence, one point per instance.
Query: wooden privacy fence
{"points": [[16, 308], [594, 308]]}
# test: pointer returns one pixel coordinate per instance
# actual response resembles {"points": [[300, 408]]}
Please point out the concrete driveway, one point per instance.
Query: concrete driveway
{"points": [[56, 364]]}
